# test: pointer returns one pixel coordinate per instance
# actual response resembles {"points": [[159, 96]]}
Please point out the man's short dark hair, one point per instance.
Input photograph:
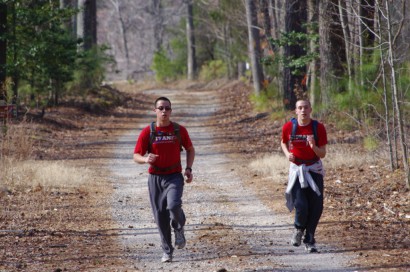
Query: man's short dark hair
{"points": [[163, 98]]}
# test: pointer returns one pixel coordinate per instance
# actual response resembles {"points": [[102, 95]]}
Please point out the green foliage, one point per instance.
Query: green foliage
{"points": [[165, 69], [268, 100], [213, 70], [40, 49], [6, 90], [220, 30], [293, 38], [370, 143], [90, 68], [219, 35], [358, 96]]}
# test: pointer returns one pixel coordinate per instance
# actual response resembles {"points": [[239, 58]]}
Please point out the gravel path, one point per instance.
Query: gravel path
{"points": [[228, 227]]}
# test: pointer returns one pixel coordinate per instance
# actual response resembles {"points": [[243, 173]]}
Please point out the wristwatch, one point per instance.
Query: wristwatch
{"points": [[188, 168]]}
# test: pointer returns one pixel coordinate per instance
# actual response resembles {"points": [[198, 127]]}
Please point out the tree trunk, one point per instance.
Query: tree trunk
{"points": [[71, 24], [292, 78], [273, 15], [80, 19], [3, 48], [396, 96], [15, 74], [90, 24], [377, 25], [190, 42], [344, 22], [254, 45], [116, 4], [311, 75], [158, 24], [327, 67]]}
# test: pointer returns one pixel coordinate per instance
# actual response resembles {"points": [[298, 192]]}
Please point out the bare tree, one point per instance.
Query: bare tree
{"points": [[312, 13], [254, 45], [3, 45], [388, 28], [293, 76], [158, 19], [347, 36], [80, 19], [190, 34], [274, 15], [396, 98], [90, 24], [123, 30], [327, 60]]}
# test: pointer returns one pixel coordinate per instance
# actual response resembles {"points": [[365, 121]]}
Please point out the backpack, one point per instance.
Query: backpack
{"points": [[153, 134], [314, 128]]}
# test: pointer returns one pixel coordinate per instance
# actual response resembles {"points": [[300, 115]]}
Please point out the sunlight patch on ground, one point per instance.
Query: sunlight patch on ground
{"points": [[48, 175], [274, 166]]}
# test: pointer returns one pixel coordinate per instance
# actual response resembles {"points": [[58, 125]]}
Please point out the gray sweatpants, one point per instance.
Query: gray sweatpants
{"points": [[165, 193]]}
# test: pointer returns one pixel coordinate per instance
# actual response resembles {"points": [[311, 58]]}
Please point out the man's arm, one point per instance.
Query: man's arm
{"points": [[319, 151], [285, 150], [141, 159], [190, 156]]}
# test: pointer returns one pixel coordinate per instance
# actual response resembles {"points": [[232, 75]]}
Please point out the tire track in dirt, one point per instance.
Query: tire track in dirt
{"points": [[227, 225]]}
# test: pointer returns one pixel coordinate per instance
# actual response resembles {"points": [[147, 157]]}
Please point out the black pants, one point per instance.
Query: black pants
{"points": [[308, 206], [166, 201]]}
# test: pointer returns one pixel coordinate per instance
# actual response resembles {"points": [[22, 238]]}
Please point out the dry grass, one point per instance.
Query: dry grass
{"points": [[16, 140], [47, 175], [19, 172], [273, 166], [342, 155], [276, 166]]}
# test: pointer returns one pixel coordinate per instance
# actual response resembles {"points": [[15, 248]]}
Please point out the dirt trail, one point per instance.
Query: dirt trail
{"points": [[228, 227]]}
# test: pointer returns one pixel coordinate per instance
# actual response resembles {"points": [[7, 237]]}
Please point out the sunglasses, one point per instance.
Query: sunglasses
{"points": [[161, 108]]}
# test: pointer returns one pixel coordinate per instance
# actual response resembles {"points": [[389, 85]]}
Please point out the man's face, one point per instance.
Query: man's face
{"points": [[303, 110], [163, 109]]}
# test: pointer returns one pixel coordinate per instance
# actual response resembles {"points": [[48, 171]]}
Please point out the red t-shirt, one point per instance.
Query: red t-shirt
{"points": [[166, 145], [300, 146]]}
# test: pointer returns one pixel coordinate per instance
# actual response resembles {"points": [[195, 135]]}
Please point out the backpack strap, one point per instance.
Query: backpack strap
{"points": [[152, 135], [314, 127], [178, 134], [295, 126]]}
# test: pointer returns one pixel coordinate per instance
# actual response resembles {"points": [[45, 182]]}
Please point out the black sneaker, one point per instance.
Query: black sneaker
{"points": [[166, 258], [179, 238], [310, 248], [297, 237]]}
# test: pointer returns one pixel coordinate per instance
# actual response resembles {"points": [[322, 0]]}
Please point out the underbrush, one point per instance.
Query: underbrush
{"points": [[43, 175], [274, 165], [34, 193], [20, 173]]}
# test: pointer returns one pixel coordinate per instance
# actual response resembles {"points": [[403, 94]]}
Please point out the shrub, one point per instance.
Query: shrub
{"points": [[213, 70], [165, 69]]}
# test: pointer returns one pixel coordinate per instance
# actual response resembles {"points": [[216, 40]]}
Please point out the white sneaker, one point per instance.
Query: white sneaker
{"points": [[179, 238], [297, 237], [166, 258], [310, 248]]}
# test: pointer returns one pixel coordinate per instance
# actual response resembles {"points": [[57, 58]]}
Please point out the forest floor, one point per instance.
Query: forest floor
{"points": [[73, 229]]}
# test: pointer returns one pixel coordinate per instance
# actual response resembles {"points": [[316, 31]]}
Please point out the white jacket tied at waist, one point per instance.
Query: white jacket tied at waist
{"points": [[303, 173]]}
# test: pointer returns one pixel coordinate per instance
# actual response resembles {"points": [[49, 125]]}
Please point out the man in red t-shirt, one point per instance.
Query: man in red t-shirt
{"points": [[165, 181], [305, 187]]}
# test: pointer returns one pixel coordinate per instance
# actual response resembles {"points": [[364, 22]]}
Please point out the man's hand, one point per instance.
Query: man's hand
{"points": [[189, 175], [311, 141], [151, 158], [291, 157]]}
